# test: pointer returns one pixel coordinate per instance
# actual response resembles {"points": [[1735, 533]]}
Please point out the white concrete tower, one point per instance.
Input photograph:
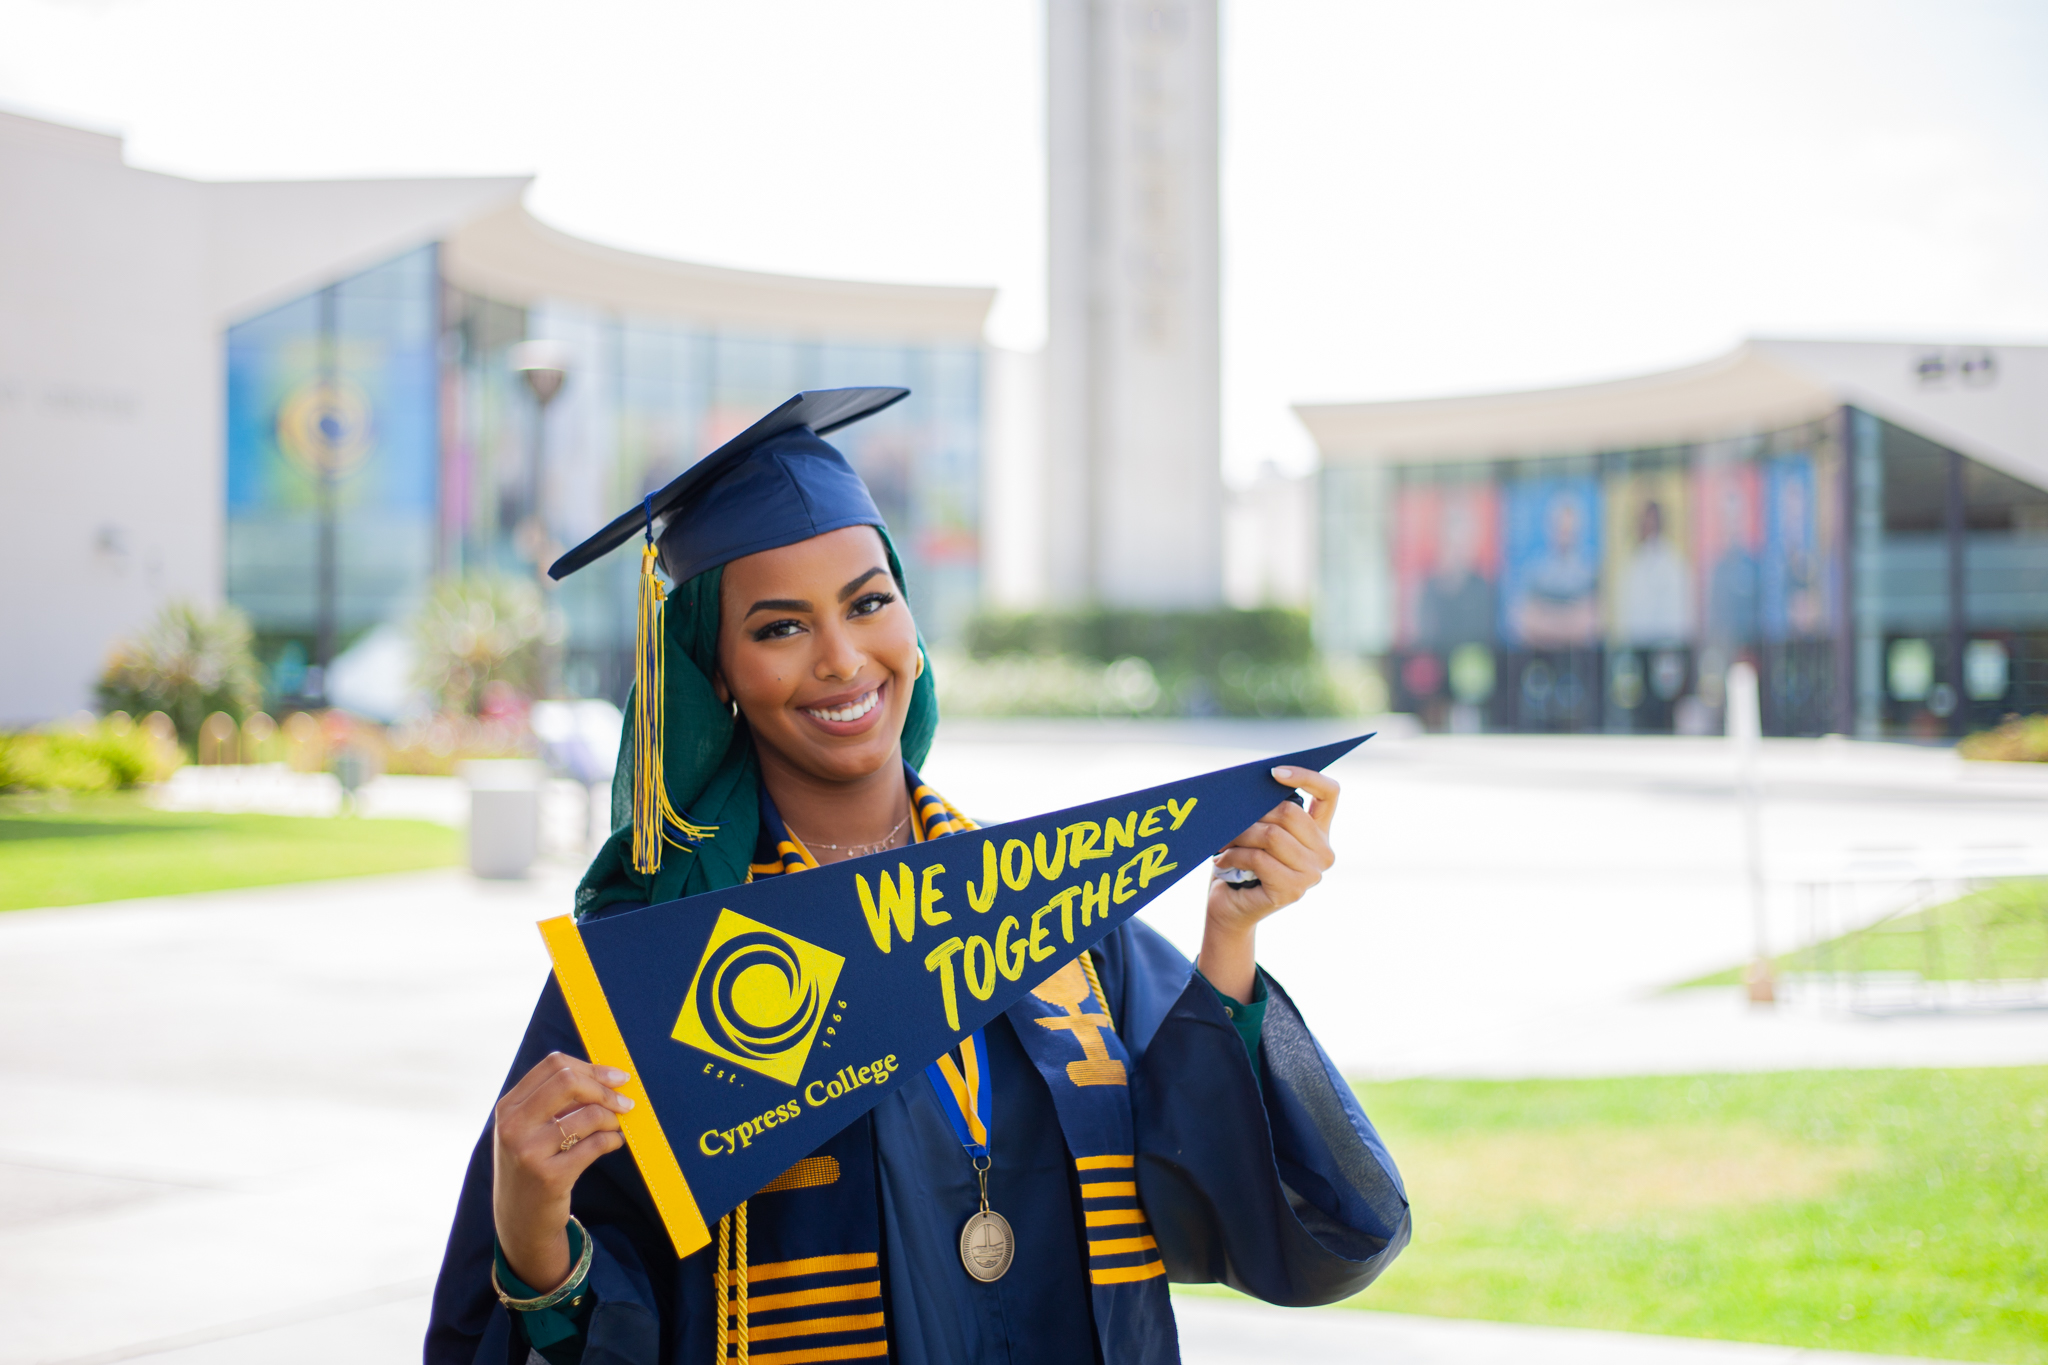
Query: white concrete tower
{"points": [[1133, 432]]}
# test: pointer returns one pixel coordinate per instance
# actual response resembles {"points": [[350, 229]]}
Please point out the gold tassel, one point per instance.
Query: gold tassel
{"points": [[648, 798], [653, 817]]}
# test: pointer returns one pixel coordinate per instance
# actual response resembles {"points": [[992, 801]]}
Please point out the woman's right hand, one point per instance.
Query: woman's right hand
{"points": [[532, 1170]]}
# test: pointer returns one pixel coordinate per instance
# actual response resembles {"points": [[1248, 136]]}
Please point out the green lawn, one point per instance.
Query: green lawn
{"points": [[1901, 1212], [2000, 932], [109, 847]]}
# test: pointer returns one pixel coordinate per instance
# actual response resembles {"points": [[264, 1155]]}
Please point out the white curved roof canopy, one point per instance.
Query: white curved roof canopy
{"points": [[511, 255], [1998, 416]]}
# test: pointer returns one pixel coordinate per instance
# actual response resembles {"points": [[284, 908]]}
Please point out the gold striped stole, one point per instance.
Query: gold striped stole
{"points": [[935, 814], [793, 855], [1121, 1247], [819, 1308]]}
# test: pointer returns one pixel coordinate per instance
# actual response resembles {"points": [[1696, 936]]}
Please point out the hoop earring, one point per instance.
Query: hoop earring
{"points": [[920, 667]]}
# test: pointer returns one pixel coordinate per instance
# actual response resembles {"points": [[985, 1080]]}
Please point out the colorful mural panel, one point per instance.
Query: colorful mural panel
{"points": [[1648, 589], [1446, 562], [1550, 575]]}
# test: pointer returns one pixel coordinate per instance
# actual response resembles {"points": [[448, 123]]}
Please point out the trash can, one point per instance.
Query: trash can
{"points": [[504, 815]]}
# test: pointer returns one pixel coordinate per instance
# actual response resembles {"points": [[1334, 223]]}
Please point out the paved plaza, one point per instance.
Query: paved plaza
{"points": [[239, 1118]]}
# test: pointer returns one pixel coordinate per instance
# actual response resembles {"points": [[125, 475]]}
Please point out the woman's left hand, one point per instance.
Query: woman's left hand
{"points": [[1289, 851]]}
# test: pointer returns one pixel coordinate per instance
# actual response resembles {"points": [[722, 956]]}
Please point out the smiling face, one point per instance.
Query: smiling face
{"points": [[818, 648]]}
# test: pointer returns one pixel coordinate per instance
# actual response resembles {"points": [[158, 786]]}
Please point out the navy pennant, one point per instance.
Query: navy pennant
{"points": [[760, 1020]]}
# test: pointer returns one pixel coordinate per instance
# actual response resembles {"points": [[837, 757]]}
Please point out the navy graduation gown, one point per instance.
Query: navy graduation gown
{"points": [[1275, 1184]]}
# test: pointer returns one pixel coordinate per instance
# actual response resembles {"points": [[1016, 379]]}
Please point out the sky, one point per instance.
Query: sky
{"points": [[1417, 199]]}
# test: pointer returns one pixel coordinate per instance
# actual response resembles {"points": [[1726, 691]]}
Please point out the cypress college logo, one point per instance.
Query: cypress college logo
{"points": [[758, 998]]}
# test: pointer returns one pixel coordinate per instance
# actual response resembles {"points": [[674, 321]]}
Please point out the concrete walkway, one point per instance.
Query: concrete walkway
{"points": [[1214, 1332], [237, 1120], [384, 1324], [255, 1103]]}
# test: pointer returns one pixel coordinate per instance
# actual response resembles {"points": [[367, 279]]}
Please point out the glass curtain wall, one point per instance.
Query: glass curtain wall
{"points": [[1951, 588], [1880, 583], [333, 449], [1353, 611], [1612, 591], [378, 436], [644, 400], [2002, 664]]}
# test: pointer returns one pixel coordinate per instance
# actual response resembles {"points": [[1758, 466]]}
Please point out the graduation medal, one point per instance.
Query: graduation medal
{"points": [[987, 1246]]}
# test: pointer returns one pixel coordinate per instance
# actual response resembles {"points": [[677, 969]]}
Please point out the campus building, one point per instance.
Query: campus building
{"points": [[1866, 523], [301, 398]]}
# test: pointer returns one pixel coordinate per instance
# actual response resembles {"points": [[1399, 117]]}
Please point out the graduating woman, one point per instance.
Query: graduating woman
{"points": [[1136, 1119]]}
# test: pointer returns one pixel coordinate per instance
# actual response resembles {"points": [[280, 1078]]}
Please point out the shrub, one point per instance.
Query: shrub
{"points": [[477, 630], [1062, 685], [1059, 685], [2022, 739], [110, 754], [1099, 662], [1170, 641], [439, 745], [188, 663]]}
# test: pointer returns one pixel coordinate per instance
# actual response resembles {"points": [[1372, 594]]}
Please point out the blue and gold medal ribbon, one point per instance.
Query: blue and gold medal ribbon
{"points": [[963, 1090]]}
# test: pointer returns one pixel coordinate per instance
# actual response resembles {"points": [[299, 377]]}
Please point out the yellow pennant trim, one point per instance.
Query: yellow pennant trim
{"points": [[607, 1047]]}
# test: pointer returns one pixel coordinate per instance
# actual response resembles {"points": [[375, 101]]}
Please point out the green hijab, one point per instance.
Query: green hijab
{"points": [[708, 762]]}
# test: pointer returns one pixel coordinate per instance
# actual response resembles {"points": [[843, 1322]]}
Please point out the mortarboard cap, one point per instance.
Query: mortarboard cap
{"points": [[774, 484]]}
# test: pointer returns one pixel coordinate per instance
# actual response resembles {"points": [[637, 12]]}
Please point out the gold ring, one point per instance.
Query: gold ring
{"points": [[569, 1139]]}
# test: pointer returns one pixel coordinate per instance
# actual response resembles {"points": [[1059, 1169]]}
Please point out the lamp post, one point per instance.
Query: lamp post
{"points": [[328, 572], [324, 426], [1745, 737], [544, 365]]}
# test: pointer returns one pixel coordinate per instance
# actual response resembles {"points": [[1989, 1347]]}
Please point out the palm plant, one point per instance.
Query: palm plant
{"points": [[477, 630], [187, 663]]}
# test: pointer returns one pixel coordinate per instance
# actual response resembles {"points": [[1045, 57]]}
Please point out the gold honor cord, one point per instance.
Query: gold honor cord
{"points": [[607, 1047], [1095, 985], [729, 1284]]}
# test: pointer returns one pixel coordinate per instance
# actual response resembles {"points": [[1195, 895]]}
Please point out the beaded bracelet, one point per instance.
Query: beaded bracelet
{"points": [[567, 1287]]}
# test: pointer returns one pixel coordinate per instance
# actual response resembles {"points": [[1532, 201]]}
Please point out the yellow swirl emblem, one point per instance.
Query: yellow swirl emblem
{"points": [[758, 998], [325, 427]]}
